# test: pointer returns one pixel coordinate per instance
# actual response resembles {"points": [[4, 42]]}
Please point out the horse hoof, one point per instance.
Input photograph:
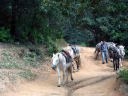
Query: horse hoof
{"points": [[58, 85], [72, 79]]}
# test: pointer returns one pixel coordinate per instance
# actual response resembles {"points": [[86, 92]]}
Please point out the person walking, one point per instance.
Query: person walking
{"points": [[104, 52]]}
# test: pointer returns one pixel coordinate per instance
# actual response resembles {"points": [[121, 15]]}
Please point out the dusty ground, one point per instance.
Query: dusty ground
{"points": [[94, 79]]}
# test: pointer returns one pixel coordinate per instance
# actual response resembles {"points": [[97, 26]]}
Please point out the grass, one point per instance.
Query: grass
{"points": [[123, 74], [28, 74], [12, 60], [9, 61], [23, 59]]}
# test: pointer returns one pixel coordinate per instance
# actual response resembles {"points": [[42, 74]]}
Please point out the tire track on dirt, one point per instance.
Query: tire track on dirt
{"points": [[93, 75], [72, 87]]}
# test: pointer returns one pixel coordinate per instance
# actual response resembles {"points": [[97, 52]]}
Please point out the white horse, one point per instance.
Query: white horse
{"points": [[122, 53], [74, 52], [59, 64]]}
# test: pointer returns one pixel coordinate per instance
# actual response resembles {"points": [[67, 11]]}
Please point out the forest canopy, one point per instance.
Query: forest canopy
{"points": [[77, 21]]}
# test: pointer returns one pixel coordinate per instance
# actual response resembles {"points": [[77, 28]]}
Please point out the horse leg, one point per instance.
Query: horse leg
{"points": [[63, 77], [118, 65], [96, 54], [66, 75], [120, 62], [110, 57], [70, 71], [73, 66], [114, 65], [59, 78], [78, 63]]}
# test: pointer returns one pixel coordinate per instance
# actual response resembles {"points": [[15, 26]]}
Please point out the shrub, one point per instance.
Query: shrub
{"points": [[123, 74], [126, 53], [4, 35], [28, 75]]}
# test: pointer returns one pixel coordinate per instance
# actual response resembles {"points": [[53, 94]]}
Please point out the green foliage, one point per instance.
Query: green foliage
{"points": [[9, 61], [76, 36], [22, 59], [31, 58], [51, 46], [126, 51], [79, 21], [4, 35], [60, 43], [123, 74]]}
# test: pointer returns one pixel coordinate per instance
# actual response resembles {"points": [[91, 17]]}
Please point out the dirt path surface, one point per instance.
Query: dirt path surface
{"points": [[94, 79]]}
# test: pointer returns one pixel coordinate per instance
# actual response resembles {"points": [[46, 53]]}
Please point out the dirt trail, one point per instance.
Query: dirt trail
{"points": [[94, 79]]}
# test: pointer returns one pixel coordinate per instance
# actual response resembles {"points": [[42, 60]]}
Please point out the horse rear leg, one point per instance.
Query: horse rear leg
{"points": [[79, 62], [114, 64], [63, 78], [70, 72], [76, 62], [97, 55], [118, 64], [59, 78], [73, 66], [66, 75]]}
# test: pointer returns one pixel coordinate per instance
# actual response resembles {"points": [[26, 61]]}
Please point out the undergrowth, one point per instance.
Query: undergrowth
{"points": [[123, 74], [23, 59]]}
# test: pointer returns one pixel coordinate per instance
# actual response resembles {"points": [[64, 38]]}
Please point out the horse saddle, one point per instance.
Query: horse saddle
{"points": [[67, 56]]}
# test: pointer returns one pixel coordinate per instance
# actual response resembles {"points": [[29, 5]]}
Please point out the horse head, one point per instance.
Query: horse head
{"points": [[55, 60]]}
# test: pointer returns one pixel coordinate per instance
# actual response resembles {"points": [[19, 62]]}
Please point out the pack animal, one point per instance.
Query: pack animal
{"points": [[60, 64]]}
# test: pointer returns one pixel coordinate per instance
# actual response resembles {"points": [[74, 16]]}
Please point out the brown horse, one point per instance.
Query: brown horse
{"points": [[74, 52]]}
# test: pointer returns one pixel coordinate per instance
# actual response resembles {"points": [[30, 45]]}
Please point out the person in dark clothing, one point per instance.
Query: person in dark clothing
{"points": [[104, 52]]}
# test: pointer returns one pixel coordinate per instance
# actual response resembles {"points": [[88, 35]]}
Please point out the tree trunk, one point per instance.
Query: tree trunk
{"points": [[13, 19]]}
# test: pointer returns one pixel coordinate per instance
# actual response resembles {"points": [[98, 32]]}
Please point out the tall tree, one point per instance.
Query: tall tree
{"points": [[13, 19]]}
